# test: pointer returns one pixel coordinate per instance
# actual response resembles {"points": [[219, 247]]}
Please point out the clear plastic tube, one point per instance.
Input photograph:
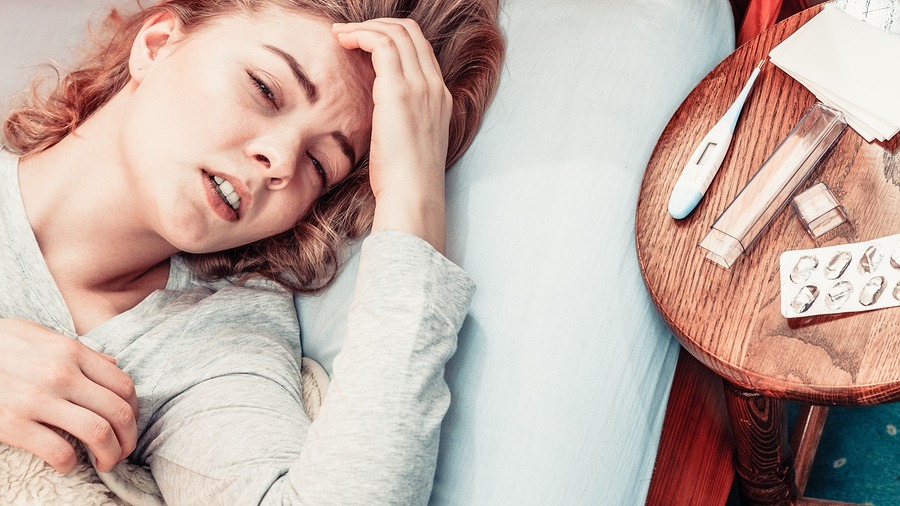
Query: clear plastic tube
{"points": [[773, 185]]}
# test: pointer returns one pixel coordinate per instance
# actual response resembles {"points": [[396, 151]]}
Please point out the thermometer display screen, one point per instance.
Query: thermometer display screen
{"points": [[707, 152]]}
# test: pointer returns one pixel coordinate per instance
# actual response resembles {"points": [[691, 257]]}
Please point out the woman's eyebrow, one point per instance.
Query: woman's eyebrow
{"points": [[346, 148], [312, 94]]}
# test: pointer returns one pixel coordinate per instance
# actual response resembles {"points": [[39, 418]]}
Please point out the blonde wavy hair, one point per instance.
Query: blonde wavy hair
{"points": [[468, 45]]}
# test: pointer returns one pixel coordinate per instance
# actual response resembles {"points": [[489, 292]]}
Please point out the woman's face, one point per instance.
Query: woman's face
{"points": [[271, 104]]}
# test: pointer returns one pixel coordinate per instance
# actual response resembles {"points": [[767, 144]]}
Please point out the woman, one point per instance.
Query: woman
{"points": [[161, 203]]}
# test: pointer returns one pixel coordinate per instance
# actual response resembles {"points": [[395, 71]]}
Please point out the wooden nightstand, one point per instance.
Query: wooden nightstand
{"points": [[730, 320]]}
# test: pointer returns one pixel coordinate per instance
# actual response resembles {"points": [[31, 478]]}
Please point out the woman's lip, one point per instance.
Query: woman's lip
{"points": [[218, 205], [240, 188]]}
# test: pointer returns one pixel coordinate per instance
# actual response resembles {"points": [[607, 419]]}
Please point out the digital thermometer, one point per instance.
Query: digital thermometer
{"points": [[704, 163]]}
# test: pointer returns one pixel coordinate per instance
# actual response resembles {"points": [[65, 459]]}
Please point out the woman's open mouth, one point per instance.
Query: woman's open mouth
{"points": [[221, 196], [226, 191]]}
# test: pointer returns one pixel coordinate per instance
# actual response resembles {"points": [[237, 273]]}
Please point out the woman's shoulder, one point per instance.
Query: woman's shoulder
{"points": [[251, 302], [238, 308], [182, 278]]}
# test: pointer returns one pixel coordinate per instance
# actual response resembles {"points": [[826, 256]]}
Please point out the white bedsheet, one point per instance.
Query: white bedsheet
{"points": [[563, 369]]}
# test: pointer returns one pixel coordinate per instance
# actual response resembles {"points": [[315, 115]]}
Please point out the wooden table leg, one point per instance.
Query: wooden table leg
{"points": [[805, 441], [764, 464]]}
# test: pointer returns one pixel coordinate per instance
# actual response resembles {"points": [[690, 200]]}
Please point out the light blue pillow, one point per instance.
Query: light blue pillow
{"points": [[563, 369]]}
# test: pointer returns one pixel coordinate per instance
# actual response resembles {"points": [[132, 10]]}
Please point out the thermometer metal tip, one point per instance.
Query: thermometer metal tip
{"points": [[707, 157]]}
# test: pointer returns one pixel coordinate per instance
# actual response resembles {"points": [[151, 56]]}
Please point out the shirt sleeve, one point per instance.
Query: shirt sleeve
{"points": [[243, 438]]}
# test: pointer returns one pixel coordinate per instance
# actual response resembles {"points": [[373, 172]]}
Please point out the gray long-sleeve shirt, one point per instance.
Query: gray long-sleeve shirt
{"points": [[216, 369]]}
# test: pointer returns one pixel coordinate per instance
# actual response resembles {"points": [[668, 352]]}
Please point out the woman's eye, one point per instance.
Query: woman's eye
{"points": [[264, 89], [323, 174]]}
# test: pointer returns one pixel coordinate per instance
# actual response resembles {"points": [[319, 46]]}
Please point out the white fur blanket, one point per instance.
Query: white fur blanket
{"points": [[26, 480]]}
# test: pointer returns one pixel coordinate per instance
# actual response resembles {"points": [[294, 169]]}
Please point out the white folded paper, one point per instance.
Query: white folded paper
{"points": [[849, 65]]}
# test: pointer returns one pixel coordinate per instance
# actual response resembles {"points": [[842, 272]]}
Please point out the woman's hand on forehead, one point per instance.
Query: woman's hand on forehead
{"points": [[410, 126]]}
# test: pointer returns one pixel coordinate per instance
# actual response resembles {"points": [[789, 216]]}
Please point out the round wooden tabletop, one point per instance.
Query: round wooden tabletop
{"points": [[731, 319]]}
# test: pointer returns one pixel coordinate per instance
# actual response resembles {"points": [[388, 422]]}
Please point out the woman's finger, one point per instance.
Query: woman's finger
{"points": [[109, 376], [111, 408], [385, 58], [424, 50], [88, 427], [47, 445], [403, 43]]}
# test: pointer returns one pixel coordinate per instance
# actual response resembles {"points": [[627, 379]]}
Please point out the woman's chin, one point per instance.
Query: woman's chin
{"points": [[199, 245], [189, 238]]}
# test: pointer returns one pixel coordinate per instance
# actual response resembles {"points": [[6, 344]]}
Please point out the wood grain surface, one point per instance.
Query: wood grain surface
{"points": [[731, 319], [764, 463]]}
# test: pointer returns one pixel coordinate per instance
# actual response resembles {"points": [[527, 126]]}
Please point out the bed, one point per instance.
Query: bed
{"points": [[563, 371]]}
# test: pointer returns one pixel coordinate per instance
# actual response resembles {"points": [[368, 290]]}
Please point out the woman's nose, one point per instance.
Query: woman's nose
{"points": [[274, 165]]}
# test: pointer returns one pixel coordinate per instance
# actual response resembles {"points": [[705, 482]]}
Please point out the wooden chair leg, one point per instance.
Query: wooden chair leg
{"points": [[805, 441]]}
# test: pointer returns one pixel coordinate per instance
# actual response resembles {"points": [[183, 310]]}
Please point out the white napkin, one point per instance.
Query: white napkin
{"points": [[849, 65]]}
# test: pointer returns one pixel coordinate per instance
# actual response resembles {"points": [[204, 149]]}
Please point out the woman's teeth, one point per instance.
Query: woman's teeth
{"points": [[226, 191]]}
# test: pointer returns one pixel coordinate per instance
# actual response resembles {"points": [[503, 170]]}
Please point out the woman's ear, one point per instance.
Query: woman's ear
{"points": [[158, 35]]}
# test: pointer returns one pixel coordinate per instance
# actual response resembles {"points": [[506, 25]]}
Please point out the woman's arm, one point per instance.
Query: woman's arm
{"points": [[242, 438]]}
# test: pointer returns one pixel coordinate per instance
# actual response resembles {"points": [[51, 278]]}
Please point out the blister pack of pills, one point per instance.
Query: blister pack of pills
{"points": [[841, 279]]}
